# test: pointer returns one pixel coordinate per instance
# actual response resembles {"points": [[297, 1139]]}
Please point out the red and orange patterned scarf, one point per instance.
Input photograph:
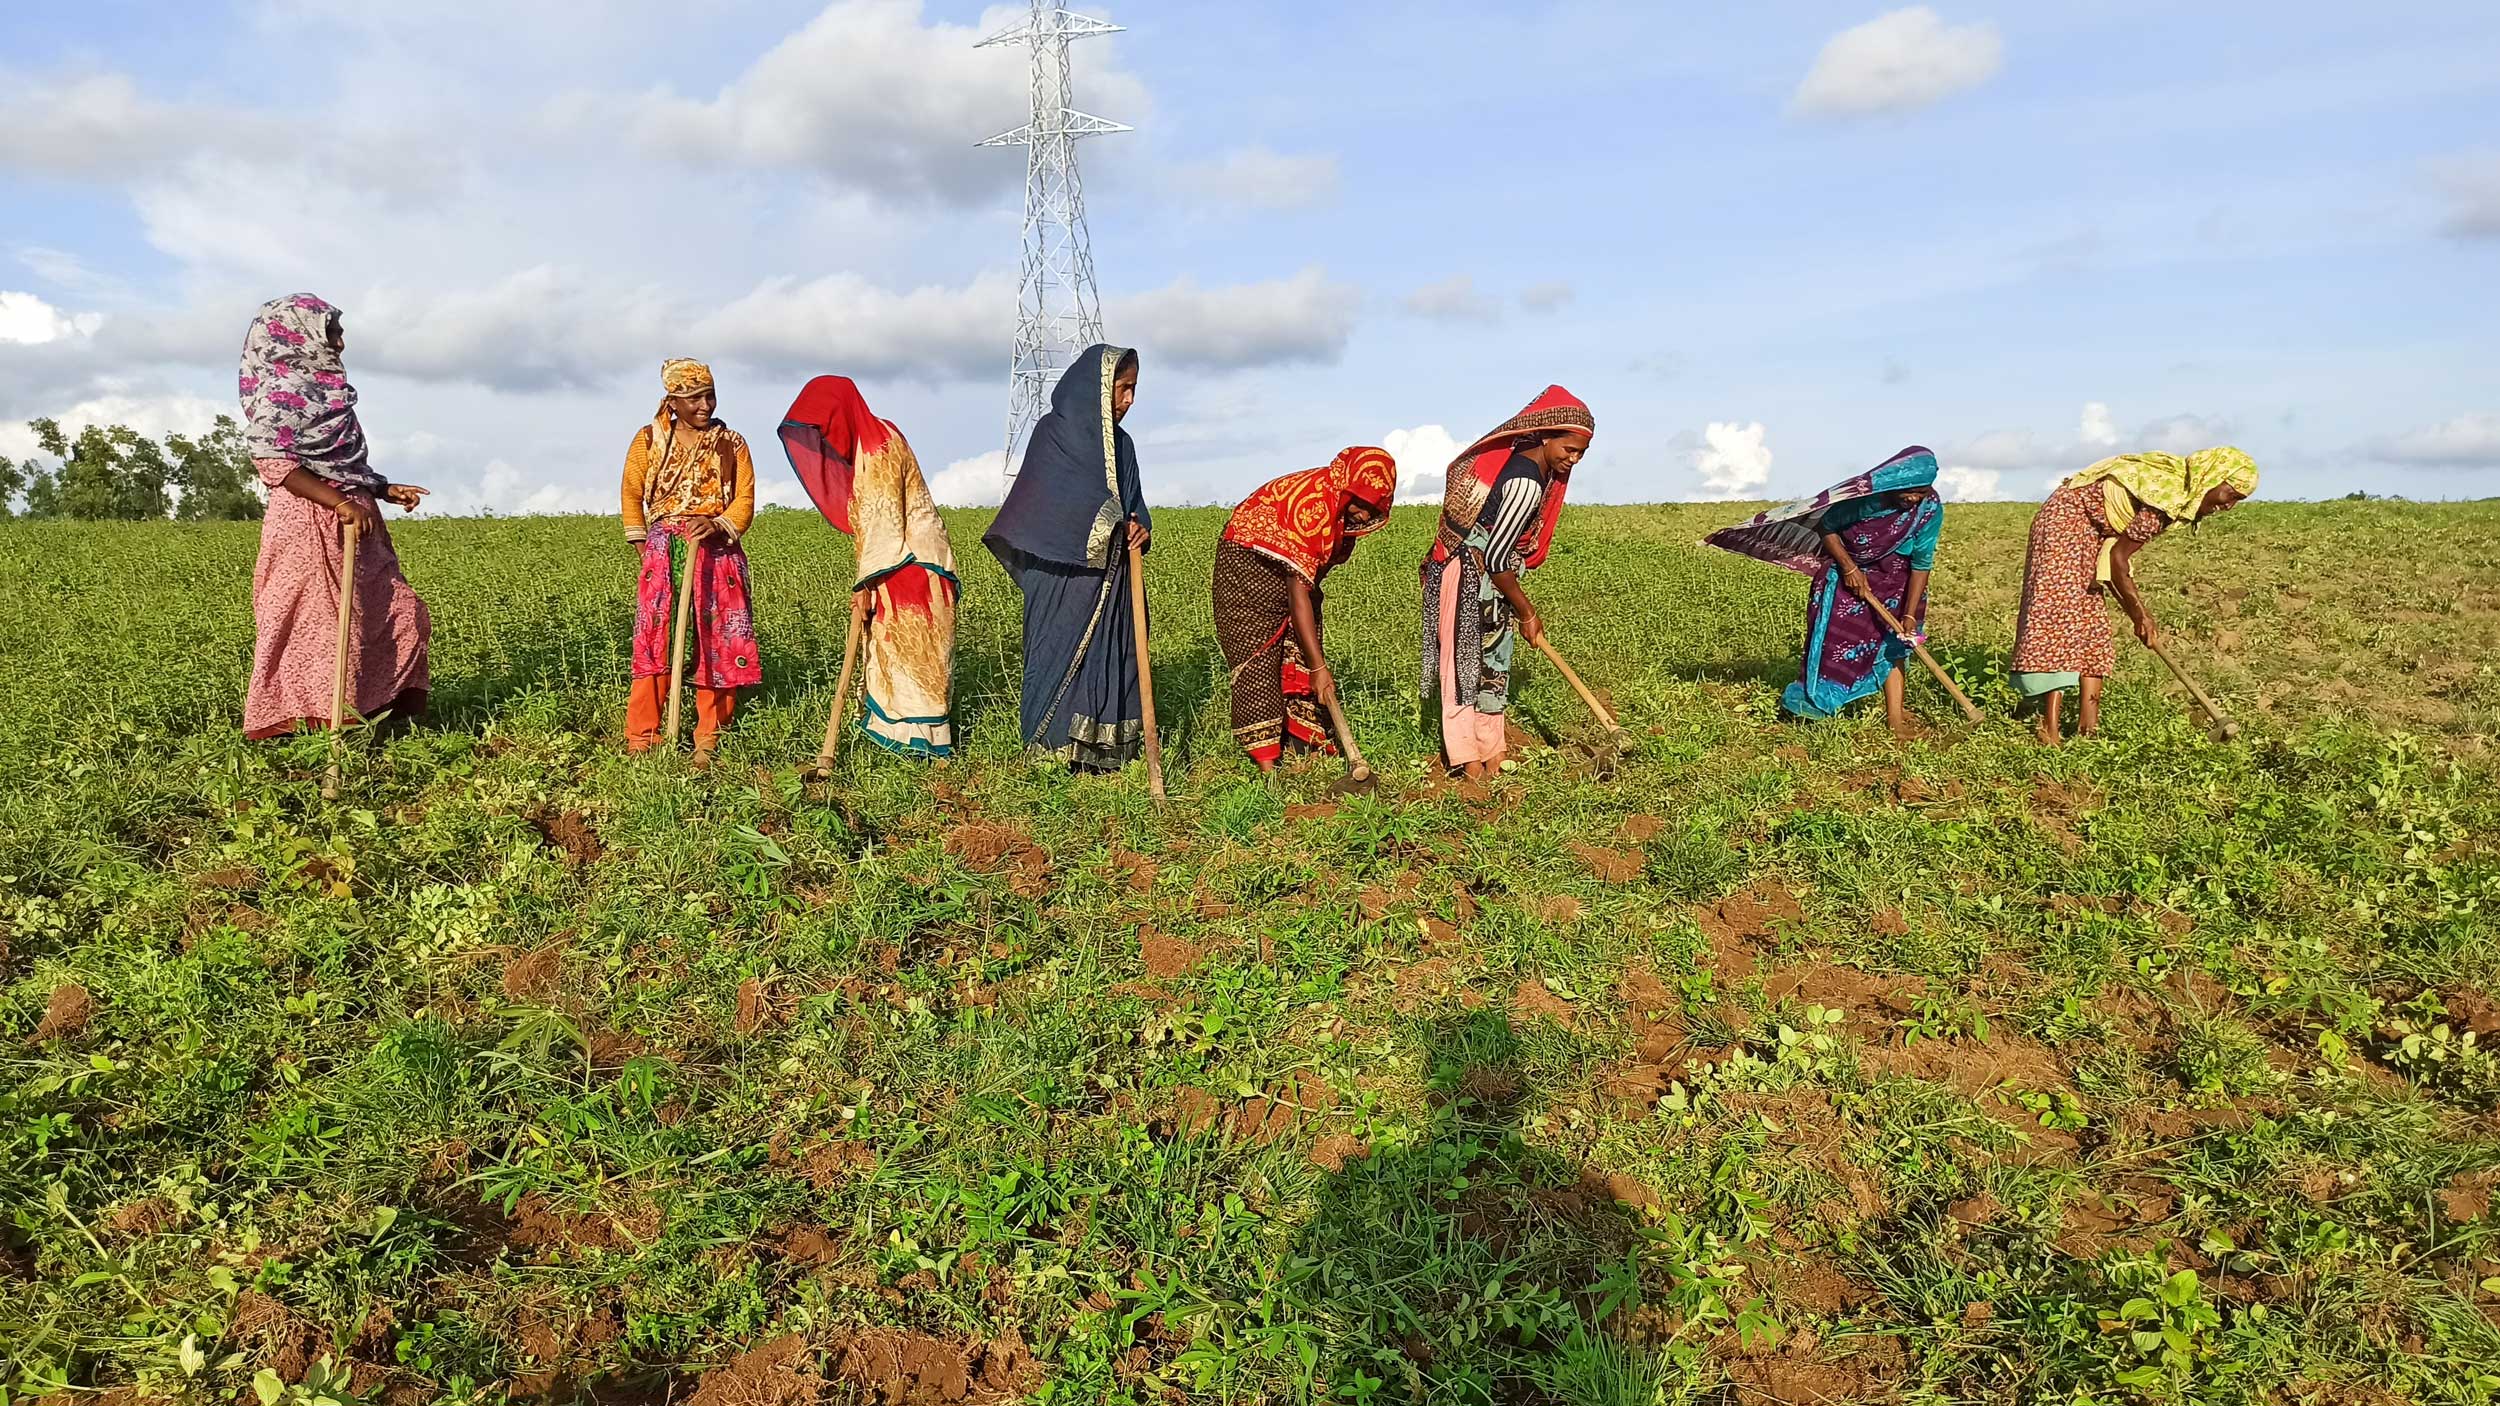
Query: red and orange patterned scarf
{"points": [[1473, 471], [1299, 520]]}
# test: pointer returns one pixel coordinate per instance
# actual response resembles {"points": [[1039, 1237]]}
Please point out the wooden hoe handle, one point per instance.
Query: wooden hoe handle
{"points": [[1604, 717], [1145, 668], [1969, 709]]}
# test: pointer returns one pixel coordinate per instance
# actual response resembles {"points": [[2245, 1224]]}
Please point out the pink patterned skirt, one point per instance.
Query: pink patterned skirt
{"points": [[722, 632], [295, 607]]}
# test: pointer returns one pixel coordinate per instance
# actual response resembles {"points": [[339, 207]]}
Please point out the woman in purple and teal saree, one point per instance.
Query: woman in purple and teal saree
{"points": [[1872, 537]]}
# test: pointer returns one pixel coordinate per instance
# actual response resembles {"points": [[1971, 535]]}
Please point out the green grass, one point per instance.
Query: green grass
{"points": [[1955, 1071]]}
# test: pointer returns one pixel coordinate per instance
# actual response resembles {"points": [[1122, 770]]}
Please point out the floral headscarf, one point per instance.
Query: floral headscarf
{"points": [[2176, 485], [296, 401], [1299, 520]]}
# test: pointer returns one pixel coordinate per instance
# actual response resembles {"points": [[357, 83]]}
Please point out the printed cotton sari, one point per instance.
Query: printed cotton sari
{"points": [[1849, 651], [1291, 527], [864, 478]]}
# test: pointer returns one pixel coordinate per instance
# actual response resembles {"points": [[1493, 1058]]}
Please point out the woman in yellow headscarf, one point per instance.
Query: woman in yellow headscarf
{"points": [[2081, 544], [688, 496]]}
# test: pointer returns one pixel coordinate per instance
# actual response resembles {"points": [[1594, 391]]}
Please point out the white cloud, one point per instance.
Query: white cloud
{"points": [[2096, 436], [1423, 456], [2472, 186], [869, 94], [1260, 179], [538, 328], [30, 321], [1453, 299], [2181, 434], [505, 491], [101, 125], [2466, 442], [977, 482], [1545, 297], [841, 322], [1732, 460], [1960, 484], [1282, 321], [1899, 61]]}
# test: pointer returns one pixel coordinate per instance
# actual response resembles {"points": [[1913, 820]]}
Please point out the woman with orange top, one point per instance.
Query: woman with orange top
{"points": [[689, 495], [1277, 548]]}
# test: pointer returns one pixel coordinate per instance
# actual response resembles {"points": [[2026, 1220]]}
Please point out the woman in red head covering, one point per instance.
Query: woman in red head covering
{"points": [[863, 477], [1277, 548], [1497, 520]]}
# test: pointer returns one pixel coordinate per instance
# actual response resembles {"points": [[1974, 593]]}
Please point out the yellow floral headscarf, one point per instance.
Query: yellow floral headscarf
{"points": [[2176, 486]]}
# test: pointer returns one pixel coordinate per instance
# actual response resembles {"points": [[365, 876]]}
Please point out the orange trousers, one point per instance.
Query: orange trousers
{"points": [[646, 708]]}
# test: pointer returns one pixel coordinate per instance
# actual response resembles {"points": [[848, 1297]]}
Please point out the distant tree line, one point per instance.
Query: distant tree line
{"points": [[113, 471]]}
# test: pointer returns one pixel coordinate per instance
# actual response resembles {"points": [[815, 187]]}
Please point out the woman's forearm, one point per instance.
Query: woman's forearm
{"points": [[1916, 595], [1507, 582], [313, 488], [1305, 615]]}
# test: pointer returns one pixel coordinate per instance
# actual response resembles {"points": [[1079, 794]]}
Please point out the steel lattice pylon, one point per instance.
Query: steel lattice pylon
{"points": [[1057, 311]]}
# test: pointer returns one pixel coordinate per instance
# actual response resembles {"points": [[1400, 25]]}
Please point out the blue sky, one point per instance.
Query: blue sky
{"points": [[1768, 244]]}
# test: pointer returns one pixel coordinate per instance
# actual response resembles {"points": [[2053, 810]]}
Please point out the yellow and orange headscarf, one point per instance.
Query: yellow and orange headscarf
{"points": [[1299, 520], [2175, 485]]}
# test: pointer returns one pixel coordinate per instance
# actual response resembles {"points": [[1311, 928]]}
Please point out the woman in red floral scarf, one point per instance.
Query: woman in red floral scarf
{"points": [[1277, 548]]}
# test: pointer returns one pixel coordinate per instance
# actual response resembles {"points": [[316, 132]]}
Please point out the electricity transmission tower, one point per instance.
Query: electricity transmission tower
{"points": [[1057, 311]]}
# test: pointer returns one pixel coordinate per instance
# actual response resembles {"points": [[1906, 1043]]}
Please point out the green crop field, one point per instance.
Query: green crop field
{"points": [[1770, 1063]]}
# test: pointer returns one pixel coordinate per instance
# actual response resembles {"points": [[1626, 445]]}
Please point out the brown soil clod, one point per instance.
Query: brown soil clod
{"points": [[533, 975], [809, 1245], [1166, 956], [1332, 1152], [2467, 1197], [836, 1160], [1534, 1001], [571, 832], [776, 1372], [140, 1219], [1316, 810], [1614, 866], [1736, 924], [65, 1015], [610, 1049], [893, 1367], [1640, 829], [1559, 910], [1137, 869], [755, 1005], [229, 880], [990, 849]]}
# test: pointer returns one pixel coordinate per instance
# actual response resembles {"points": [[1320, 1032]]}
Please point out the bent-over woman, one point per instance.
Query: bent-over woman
{"points": [[300, 426], [1063, 536], [2082, 543], [1870, 538], [863, 477], [687, 498], [1504, 495], [1277, 549]]}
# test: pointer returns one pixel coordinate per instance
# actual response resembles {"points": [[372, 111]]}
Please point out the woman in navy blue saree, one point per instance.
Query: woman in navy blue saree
{"points": [[1063, 537]]}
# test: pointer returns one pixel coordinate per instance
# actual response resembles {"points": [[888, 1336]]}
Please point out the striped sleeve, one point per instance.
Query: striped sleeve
{"points": [[1512, 515]]}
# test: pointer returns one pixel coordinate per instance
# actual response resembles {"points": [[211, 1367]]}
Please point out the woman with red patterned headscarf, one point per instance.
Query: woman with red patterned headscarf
{"points": [[863, 477], [1497, 520], [1277, 548]]}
